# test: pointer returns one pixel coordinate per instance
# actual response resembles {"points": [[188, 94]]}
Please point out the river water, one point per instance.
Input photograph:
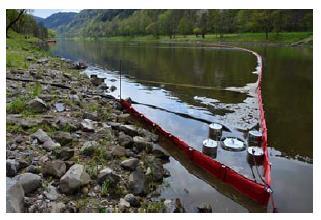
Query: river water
{"points": [[216, 85]]}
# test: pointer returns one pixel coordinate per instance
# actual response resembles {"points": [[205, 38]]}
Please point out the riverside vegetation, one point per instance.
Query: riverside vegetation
{"points": [[70, 148]]}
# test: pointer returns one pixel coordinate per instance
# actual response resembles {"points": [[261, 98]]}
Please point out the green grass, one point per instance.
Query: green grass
{"points": [[284, 38], [16, 106], [19, 47]]}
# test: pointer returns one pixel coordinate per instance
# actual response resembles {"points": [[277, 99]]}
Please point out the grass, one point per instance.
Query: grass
{"points": [[284, 38], [16, 106], [153, 207], [19, 47]]}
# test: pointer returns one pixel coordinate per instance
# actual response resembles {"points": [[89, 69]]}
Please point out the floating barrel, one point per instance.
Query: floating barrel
{"points": [[255, 155], [215, 131], [210, 147], [255, 137], [233, 144]]}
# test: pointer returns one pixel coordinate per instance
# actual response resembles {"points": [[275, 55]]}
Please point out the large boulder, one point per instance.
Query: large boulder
{"points": [[141, 144], [130, 164], [29, 181], [50, 145], [136, 182], [55, 168], [37, 105], [12, 167], [125, 140], [14, 196], [109, 175], [74, 179], [41, 136]]}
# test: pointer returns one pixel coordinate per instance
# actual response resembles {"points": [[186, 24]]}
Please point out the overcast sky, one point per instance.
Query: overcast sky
{"points": [[43, 13]]}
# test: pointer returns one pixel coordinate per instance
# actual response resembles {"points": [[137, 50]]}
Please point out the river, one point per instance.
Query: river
{"points": [[216, 85]]}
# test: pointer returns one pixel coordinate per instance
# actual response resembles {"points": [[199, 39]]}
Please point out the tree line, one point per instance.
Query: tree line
{"points": [[199, 22], [22, 22]]}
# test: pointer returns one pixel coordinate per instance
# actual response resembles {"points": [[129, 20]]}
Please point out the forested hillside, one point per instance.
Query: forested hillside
{"points": [[118, 22], [56, 20]]}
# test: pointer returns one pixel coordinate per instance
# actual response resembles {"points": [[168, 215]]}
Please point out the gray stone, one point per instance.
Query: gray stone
{"points": [[103, 86], [160, 154], [109, 175], [70, 123], [37, 105], [50, 145], [51, 193], [42, 60], [29, 181], [133, 200], [64, 153], [74, 179], [136, 182], [62, 137], [41, 136], [89, 148], [91, 115], [123, 204], [156, 168], [169, 206], [57, 207], [12, 167], [130, 164], [123, 118], [55, 168], [118, 151], [113, 88], [33, 169], [125, 140], [141, 144], [87, 125], [95, 80], [60, 107], [14, 196], [130, 130]]}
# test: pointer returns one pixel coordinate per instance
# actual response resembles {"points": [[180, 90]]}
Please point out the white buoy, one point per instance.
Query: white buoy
{"points": [[233, 144], [215, 131], [255, 155], [210, 147], [255, 137]]}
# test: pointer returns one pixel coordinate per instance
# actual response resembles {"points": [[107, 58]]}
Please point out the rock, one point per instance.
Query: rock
{"points": [[75, 98], [37, 105], [109, 175], [156, 168], [87, 125], [51, 193], [123, 204], [130, 164], [125, 140], [91, 115], [169, 206], [160, 154], [30, 58], [14, 196], [74, 179], [95, 80], [62, 137], [57, 207], [55, 168], [113, 88], [118, 151], [102, 86], [41, 136], [133, 200], [166, 173], [89, 148], [130, 130], [33, 169], [25, 123], [178, 206], [18, 139], [60, 107], [136, 182], [204, 208], [140, 144], [64, 153], [29, 181], [12, 167], [42, 60], [80, 65], [50, 145], [123, 118]]}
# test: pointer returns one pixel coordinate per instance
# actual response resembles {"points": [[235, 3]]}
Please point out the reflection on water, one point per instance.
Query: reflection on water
{"points": [[216, 85]]}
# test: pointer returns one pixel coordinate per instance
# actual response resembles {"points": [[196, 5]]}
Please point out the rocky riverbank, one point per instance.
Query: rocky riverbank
{"points": [[71, 149]]}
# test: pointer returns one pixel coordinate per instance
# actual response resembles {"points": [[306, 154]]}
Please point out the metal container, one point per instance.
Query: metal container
{"points": [[210, 147], [215, 131], [233, 144], [255, 137], [255, 155]]}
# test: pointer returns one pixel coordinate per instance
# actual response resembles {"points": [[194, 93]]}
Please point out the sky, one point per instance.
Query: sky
{"points": [[43, 13]]}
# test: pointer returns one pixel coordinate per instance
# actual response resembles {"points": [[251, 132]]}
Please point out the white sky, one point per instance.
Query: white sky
{"points": [[43, 13]]}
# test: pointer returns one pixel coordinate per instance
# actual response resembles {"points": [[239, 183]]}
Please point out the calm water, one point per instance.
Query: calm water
{"points": [[217, 85]]}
